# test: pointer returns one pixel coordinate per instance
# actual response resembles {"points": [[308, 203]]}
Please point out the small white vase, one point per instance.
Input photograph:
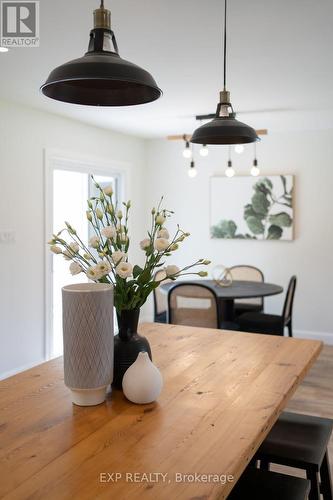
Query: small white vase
{"points": [[142, 382]]}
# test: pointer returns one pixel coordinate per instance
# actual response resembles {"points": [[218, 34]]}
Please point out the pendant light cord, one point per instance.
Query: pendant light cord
{"points": [[225, 47]]}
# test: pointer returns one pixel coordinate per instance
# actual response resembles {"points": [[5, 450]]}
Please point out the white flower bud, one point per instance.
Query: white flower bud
{"points": [[118, 257], [108, 190], [163, 233], [93, 274], [94, 242], [124, 270], [160, 219], [202, 274], [103, 268], [55, 249], [109, 232], [161, 244], [144, 244], [99, 213], [123, 238], [74, 247], [172, 270], [75, 268], [71, 229]]}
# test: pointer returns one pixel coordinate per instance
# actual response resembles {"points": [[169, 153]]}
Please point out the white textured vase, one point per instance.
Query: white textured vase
{"points": [[142, 382], [88, 341]]}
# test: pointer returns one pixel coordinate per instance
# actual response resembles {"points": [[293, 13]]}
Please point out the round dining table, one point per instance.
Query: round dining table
{"points": [[228, 294]]}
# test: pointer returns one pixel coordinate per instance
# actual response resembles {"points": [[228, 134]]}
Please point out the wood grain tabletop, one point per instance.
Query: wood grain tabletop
{"points": [[222, 393]]}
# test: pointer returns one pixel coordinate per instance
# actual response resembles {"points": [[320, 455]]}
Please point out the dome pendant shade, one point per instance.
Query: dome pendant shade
{"points": [[224, 128], [101, 77], [224, 131]]}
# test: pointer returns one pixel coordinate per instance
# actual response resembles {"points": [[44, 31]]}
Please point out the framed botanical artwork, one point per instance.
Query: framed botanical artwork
{"points": [[258, 208]]}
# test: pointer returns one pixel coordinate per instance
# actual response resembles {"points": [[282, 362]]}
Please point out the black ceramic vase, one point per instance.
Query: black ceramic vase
{"points": [[127, 344]]}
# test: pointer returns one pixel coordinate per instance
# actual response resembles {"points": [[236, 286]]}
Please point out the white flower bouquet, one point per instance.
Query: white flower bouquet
{"points": [[104, 258]]}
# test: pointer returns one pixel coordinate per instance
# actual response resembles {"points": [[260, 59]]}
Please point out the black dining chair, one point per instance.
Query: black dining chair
{"points": [[193, 305], [257, 484], [247, 273], [271, 324], [301, 441], [160, 300], [196, 304]]}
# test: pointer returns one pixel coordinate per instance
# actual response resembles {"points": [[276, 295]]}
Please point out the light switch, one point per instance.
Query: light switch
{"points": [[7, 237]]}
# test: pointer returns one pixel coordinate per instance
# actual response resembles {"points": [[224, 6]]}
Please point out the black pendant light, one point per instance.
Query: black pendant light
{"points": [[101, 77], [224, 128]]}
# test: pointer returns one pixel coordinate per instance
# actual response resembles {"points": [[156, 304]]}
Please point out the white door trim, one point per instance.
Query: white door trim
{"points": [[66, 160]]}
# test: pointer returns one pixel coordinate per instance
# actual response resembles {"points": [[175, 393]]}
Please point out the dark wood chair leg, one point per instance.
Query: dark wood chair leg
{"points": [[312, 475], [290, 329], [254, 463], [325, 479], [264, 465]]}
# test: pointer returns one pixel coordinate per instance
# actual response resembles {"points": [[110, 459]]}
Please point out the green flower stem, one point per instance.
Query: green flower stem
{"points": [[96, 226], [76, 257], [86, 249]]}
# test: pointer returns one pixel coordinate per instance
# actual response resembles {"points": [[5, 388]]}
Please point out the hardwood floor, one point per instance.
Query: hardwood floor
{"points": [[315, 395]]}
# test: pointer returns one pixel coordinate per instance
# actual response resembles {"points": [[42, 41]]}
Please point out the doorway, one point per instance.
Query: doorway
{"points": [[69, 185]]}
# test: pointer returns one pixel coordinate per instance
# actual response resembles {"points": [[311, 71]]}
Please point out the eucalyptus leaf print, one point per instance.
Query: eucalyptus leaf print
{"points": [[267, 213]]}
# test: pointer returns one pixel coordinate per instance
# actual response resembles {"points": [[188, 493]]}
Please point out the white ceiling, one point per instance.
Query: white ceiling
{"points": [[280, 62]]}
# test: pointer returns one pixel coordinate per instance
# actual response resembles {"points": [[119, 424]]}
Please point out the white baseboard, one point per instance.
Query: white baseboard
{"points": [[325, 337]]}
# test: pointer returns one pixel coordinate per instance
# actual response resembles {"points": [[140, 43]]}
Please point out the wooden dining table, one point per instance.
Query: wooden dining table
{"points": [[223, 391]]}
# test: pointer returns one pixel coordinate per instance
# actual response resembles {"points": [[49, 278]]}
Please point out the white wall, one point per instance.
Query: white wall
{"points": [[155, 168], [24, 133], [307, 155]]}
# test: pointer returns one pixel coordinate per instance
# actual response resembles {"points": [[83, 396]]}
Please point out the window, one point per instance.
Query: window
{"points": [[69, 187]]}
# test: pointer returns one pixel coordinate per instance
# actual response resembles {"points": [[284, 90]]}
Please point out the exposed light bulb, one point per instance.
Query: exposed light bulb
{"points": [[239, 148], [255, 171], [230, 171], [187, 153], [204, 150], [3, 49], [192, 172]]}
